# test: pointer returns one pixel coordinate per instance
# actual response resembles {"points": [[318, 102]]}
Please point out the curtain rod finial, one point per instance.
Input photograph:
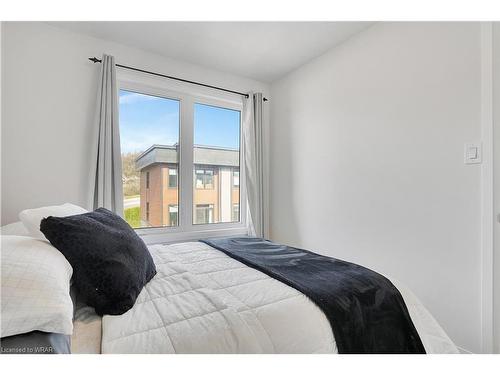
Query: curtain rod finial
{"points": [[94, 59]]}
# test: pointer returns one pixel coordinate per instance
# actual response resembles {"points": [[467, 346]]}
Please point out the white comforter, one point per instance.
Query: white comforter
{"points": [[202, 301]]}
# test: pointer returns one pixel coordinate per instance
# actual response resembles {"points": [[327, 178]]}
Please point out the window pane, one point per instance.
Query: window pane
{"points": [[149, 137], [216, 185]]}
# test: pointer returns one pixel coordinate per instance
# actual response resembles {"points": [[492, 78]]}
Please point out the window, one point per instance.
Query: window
{"points": [[216, 157], [149, 137], [204, 214], [236, 212], [204, 178], [181, 168], [172, 178], [172, 214], [236, 178]]}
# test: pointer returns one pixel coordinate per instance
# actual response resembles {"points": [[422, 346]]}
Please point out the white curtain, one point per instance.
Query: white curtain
{"points": [[254, 173], [106, 185]]}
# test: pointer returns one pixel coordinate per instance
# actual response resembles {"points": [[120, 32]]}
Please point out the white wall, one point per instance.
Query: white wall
{"points": [[366, 162], [48, 101], [496, 148]]}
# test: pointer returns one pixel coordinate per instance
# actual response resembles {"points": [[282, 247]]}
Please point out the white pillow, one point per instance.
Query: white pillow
{"points": [[35, 287], [14, 229], [31, 218]]}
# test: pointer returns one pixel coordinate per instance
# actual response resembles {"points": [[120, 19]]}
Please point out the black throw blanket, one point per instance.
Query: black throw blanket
{"points": [[365, 310]]}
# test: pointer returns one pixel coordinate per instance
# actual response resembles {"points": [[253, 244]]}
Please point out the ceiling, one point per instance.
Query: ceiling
{"points": [[264, 51]]}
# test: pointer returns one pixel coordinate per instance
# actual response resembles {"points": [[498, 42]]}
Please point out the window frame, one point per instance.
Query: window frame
{"points": [[188, 97]]}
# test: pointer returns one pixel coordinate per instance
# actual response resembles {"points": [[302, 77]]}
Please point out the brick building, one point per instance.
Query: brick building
{"points": [[216, 185]]}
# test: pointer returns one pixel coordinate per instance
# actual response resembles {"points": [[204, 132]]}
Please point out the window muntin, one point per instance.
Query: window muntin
{"points": [[149, 138], [216, 160]]}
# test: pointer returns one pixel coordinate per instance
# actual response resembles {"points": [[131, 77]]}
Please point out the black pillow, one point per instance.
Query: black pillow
{"points": [[111, 264]]}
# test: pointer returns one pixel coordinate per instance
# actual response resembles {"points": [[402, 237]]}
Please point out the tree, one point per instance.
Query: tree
{"points": [[130, 175]]}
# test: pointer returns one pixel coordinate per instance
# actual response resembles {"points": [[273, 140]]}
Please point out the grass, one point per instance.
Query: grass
{"points": [[133, 216]]}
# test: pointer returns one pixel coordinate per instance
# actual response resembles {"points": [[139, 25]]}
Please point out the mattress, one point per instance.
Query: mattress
{"points": [[202, 301]]}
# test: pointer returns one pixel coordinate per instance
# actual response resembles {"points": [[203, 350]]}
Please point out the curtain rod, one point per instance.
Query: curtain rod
{"points": [[96, 60]]}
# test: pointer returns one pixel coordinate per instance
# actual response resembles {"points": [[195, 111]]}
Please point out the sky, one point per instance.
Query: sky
{"points": [[146, 120]]}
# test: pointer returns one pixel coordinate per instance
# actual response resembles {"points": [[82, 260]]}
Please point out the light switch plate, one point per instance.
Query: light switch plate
{"points": [[473, 153]]}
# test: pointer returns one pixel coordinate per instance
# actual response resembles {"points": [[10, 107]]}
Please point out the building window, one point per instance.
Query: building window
{"points": [[204, 214], [172, 178], [236, 178], [173, 212], [147, 180], [236, 212], [204, 178], [147, 212]]}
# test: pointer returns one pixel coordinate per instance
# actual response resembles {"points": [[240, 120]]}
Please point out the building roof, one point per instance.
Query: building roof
{"points": [[206, 155]]}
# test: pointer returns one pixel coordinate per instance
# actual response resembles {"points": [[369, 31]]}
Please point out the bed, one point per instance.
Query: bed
{"points": [[203, 301]]}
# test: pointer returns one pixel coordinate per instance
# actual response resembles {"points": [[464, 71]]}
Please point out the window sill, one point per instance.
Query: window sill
{"points": [[153, 236]]}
